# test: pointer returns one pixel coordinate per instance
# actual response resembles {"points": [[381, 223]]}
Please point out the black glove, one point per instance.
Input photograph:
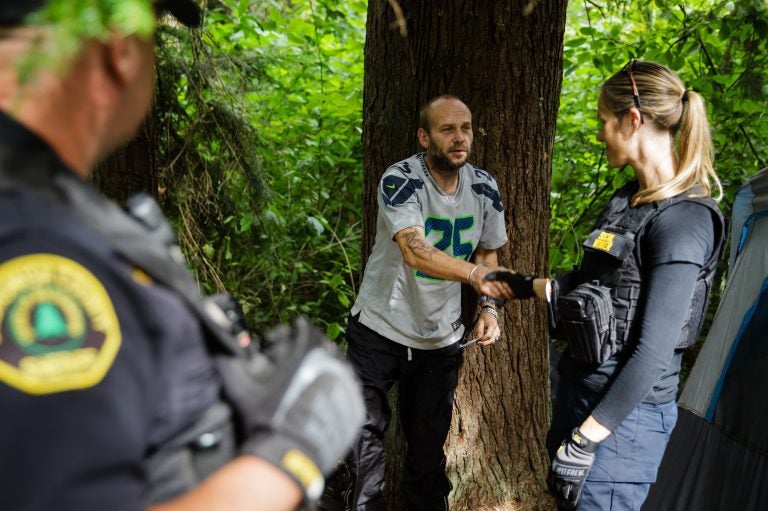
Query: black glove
{"points": [[522, 285], [570, 468], [299, 404]]}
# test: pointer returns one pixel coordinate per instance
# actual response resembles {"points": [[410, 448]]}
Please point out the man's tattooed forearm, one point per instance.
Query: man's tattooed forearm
{"points": [[418, 245]]}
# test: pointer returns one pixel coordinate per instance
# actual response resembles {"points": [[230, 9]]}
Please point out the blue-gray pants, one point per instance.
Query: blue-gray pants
{"points": [[627, 461]]}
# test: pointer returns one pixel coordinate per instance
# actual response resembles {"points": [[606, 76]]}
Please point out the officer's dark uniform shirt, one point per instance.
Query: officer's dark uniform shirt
{"points": [[98, 364], [676, 244]]}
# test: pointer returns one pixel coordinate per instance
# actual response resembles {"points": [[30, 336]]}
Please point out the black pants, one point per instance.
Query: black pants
{"points": [[427, 380]]}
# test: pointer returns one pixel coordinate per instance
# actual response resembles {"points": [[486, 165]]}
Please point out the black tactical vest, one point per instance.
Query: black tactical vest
{"points": [[146, 240], [612, 256]]}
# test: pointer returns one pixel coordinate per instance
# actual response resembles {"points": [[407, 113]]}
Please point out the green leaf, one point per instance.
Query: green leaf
{"points": [[316, 225], [333, 330]]}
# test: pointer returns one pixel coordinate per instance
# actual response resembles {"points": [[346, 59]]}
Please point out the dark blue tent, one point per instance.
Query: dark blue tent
{"points": [[717, 458]]}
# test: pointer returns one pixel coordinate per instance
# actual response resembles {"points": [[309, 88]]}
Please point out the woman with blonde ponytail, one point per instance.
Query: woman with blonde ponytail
{"points": [[672, 111], [638, 297], [651, 258]]}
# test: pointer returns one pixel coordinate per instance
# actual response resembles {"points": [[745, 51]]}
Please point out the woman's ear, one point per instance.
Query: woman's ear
{"points": [[635, 118]]}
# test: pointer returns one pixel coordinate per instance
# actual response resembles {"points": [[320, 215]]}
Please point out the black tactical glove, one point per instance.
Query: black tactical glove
{"points": [[570, 468], [522, 285], [299, 405]]}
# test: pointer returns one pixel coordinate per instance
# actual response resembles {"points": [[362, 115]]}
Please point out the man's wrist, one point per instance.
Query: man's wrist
{"points": [[490, 310], [471, 272], [486, 300]]}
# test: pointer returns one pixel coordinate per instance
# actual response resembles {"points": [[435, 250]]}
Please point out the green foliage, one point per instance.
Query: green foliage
{"points": [[719, 50], [280, 85], [259, 146], [287, 79], [260, 117], [73, 21]]}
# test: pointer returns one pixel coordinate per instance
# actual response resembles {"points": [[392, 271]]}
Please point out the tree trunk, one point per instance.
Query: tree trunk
{"points": [[504, 60], [130, 169]]}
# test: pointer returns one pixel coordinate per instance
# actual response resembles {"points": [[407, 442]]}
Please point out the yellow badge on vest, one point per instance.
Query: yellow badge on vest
{"points": [[58, 327], [604, 241]]}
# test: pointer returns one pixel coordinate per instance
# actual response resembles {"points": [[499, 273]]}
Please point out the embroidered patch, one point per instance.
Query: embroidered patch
{"points": [[58, 327], [604, 241]]}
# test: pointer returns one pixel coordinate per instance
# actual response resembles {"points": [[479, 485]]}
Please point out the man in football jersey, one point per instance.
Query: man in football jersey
{"points": [[435, 212]]}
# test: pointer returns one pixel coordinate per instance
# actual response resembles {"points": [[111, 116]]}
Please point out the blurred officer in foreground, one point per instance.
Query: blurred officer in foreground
{"points": [[120, 387]]}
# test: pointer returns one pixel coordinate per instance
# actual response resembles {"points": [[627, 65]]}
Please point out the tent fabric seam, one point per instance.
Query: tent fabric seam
{"points": [[744, 324], [746, 229]]}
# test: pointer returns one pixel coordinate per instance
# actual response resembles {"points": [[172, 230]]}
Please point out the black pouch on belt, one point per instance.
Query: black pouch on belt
{"points": [[587, 322]]}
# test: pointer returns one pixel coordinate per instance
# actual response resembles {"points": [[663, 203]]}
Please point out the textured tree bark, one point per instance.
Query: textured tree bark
{"points": [[504, 59], [131, 169]]}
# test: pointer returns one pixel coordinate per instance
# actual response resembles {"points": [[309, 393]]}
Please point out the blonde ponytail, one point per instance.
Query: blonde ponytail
{"points": [[667, 103], [695, 151]]}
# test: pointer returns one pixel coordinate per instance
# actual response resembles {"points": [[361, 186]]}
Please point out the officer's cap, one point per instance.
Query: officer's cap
{"points": [[13, 12]]}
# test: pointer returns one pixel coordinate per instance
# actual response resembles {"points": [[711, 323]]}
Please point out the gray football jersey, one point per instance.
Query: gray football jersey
{"points": [[406, 305]]}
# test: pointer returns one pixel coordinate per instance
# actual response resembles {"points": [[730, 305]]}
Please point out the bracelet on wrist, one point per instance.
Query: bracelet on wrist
{"points": [[490, 310], [469, 277]]}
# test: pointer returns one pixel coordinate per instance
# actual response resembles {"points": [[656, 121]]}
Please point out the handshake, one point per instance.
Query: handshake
{"points": [[521, 286]]}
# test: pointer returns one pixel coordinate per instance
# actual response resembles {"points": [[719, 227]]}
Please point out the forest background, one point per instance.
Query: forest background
{"points": [[259, 119], [254, 150]]}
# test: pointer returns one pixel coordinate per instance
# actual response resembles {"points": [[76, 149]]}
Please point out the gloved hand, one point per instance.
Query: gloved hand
{"points": [[521, 285], [570, 467], [299, 404]]}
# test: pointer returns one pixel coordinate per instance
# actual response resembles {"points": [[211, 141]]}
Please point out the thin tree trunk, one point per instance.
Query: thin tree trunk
{"points": [[504, 60]]}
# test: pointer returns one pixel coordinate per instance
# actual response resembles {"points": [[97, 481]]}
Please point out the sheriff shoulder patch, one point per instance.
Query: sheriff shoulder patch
{"points": [[58, 327], [604, 241]]}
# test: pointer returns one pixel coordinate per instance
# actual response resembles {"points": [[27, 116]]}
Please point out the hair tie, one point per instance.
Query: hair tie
{"points": [[685, 96]]}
